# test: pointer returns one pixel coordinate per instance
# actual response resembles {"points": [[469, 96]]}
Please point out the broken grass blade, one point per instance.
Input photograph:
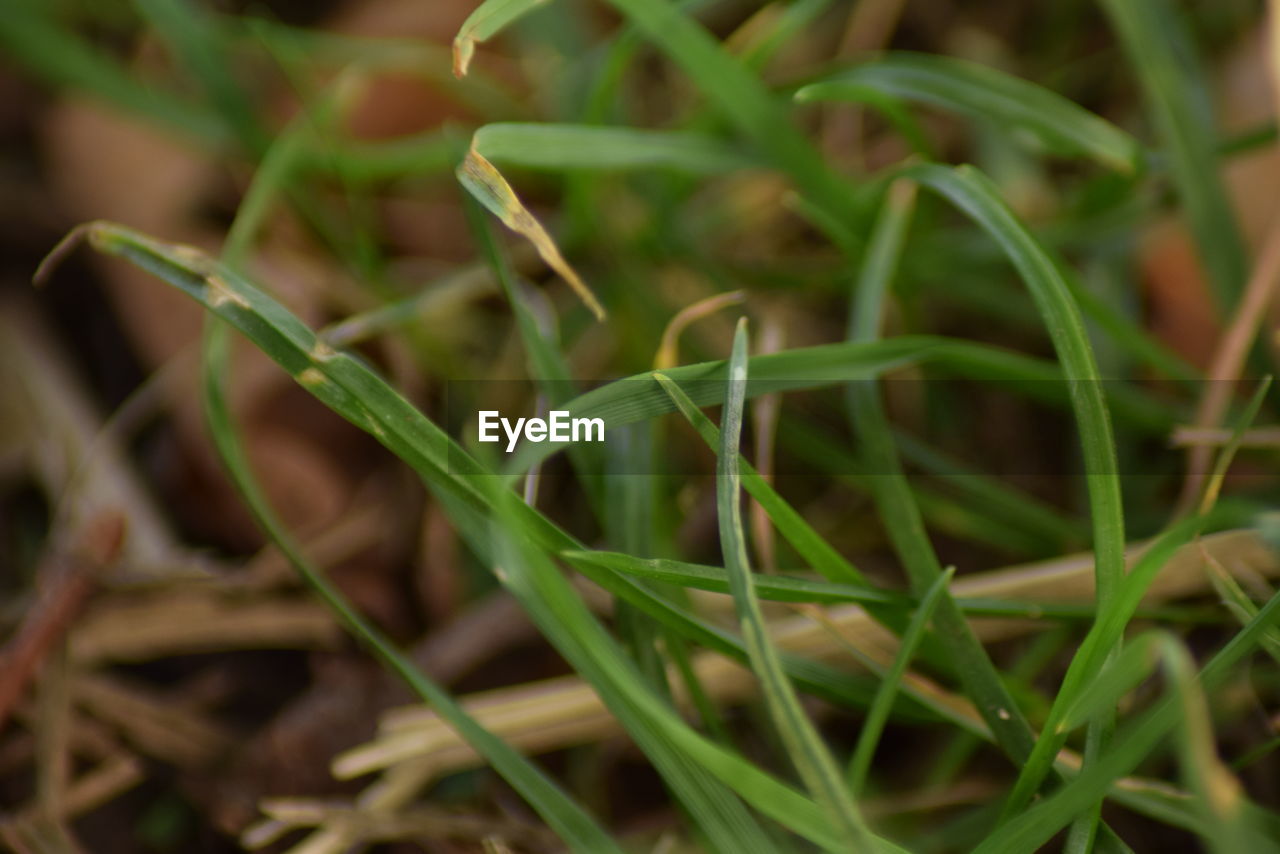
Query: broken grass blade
{"points": [[484, 23], [484, 182], [812, 759]]}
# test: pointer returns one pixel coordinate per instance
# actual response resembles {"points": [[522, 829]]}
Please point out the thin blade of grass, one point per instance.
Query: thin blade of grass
{"points": [[893, 496], [675, 748], [1154, 36], [1239, 603], [989, 95], [1134, 742], [558, 809], [1103, 637], [351, 389], [489, 19], [878, 714], [810, 755], [789, 588], [799, 533], [1222, 464], [567, 148]]}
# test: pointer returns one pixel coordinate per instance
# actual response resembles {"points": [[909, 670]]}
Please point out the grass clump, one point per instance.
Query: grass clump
{"points": [[683, 153]]}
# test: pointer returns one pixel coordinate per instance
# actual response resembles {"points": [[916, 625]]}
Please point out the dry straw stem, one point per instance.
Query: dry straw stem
{"points": [[97, 786], [180, 622], [533, 717], [668, 354], [484, 23], [1229, 358], [1228, 361]]}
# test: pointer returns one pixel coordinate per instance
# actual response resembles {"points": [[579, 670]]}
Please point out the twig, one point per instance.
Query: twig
{"points": [[66, 580]]}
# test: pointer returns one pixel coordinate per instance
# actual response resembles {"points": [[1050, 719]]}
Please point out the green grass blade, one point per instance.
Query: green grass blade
{"points": [[977, 197], [893, 495], [810, 755], [790, 22], [666, 738], [789, 588], [489, 19], [743, 99], [1240, 604], [969, 190], [878, 714], [351, 389], [1221, 465], [1092, 654], [989, 95], [641, 396], [1163, 56], [563, 147], [557, 808], [775, 588], [799, 533], [1133, 743]]}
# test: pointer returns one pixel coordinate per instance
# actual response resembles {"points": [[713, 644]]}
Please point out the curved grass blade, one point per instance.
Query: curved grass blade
{"points": [[809, 754], [970, 191], [984, 93], [973, 193], [893, 496], [489, 19], [568, 148]]}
